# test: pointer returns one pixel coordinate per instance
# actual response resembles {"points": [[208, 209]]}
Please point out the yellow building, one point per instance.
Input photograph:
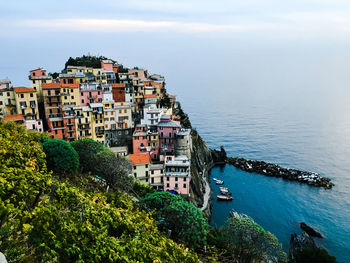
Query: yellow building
{"points": [[37, 77], [70, 95], [27, 103], [100, 75], [141, 167], [83, 122], [98, 125]]}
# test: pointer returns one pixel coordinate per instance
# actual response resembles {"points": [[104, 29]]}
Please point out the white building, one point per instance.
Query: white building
{"points": [[151, 115]]}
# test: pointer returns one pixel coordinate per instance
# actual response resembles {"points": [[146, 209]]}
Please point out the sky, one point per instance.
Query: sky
{"points": [[162, 35]]}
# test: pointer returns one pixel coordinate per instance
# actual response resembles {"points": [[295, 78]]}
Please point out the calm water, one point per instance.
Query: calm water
{"points": [[305, 127]]}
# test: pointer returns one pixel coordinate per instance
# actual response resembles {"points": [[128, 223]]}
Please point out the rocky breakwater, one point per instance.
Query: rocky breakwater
{"points": [[274, 170]]}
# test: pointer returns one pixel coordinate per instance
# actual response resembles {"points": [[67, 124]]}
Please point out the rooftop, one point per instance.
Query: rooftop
{"points": [[5, 81], [50, 86], [174, 124], [139, 158], [15, 117], [150, 96], [23, 89], [157, 166]]}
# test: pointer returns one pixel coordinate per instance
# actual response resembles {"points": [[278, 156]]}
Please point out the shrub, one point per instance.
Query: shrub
{"points": [[61, 157], [185, 221], [87, 149]]}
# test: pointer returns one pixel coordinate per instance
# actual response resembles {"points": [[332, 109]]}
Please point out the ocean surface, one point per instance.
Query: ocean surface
{"points": [[304, 126]]}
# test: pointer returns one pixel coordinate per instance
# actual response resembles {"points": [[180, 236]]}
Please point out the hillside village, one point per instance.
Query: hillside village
{"points": [[128, 110]]}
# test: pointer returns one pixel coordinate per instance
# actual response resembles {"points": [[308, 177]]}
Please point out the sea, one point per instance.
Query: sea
{"points": [[292, 114]]}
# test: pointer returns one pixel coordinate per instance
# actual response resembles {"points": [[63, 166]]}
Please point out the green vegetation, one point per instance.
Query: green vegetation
{"points": [[61, 157], [47, 219], [87, 149], [313, 255], [184, 221], [87, 61], [184, 119], [244, 240]]}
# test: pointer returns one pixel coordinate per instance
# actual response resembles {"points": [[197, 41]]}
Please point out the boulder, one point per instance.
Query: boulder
{"points": [[308, 229]]}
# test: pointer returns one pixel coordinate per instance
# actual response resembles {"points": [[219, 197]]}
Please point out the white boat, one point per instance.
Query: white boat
{"points": [[224, 197], [223, 189], [219, 182]]}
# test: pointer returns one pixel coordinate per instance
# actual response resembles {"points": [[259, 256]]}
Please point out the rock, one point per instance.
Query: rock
{"points": [[312, 232], [298, 242], [2, 258], [269, 169]]}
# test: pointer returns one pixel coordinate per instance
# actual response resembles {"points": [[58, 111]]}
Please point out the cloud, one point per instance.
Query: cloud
{"points": [[116, 25]]}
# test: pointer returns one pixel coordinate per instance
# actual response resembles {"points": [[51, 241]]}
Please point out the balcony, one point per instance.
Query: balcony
{"points": [[69, 123], [23, 106], [71, 131], [53, 95]]}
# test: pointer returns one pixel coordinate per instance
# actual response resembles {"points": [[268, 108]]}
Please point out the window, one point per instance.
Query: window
{"points": [[56, 132], [176, 179], [176, 186], [167, 185], [81, 93], [168, 178], [146, 173], [72, 97], [184, 179], [65, 97], [22, 96], [184, 185], [0, 102], [152, 180], [146, 165], [82, 101], [152, 172], [31, 95], [71, 90], [135, 175]]}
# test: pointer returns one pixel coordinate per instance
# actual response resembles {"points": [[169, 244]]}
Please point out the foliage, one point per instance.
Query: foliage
{"points": [[61, 157], [184, 119], [87, 61], [313, 255], [113, 169], [44, 219], [87, 149], [140, 190], [54, 75], [165, 102], [185, 221], [242, 238]]}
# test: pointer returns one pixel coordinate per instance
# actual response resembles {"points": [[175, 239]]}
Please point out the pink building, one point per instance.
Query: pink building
{"points": [[139, 139], [138, 73], [177, 174], [5, 84], [35, 73], [90, 93], [107, 65], [68, 80], [167, 130]]}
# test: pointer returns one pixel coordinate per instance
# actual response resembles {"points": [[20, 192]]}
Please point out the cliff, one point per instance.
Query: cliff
{"points": [[202, 160]]}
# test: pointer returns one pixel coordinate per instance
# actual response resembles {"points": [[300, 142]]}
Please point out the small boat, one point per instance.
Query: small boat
{"points": [[223, 189], [214, 179], [224, 197], [225, 193], [219, 182]]}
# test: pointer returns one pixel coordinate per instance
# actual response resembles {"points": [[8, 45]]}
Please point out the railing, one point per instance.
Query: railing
{"points": [[69, 124]]}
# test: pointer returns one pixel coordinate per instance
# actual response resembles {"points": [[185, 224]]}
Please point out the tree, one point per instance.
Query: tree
{"points": [[113, 169], [61, 157], [244, 239], [313, 255], [185, 221], [87, 149]]}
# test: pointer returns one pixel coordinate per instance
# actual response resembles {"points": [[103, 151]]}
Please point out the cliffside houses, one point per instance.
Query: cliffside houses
{"points": [[119, 109]]}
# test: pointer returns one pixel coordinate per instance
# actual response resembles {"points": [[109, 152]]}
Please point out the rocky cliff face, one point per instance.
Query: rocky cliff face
{"points": [[202, 160]]}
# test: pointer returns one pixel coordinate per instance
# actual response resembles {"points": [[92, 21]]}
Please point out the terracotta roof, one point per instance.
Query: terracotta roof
{"points": [[50, 85], [23, 89], [70, 86], [150, 96], [118, 85], [139, 158], [15, 117]]}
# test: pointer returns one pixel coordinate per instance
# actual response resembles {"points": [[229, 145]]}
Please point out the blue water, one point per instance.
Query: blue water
{"points": [[296, 128]]}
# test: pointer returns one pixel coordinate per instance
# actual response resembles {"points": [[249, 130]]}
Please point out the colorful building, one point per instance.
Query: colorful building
{"points": [[7, 98], [177, 174], [140, 167], [98, 126], [167, 130], [83, 125], [123, 115], [139, 139], [157, 176], [38, 77], [90, 93], [27, 103], [70, 94], [118, 90]]}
